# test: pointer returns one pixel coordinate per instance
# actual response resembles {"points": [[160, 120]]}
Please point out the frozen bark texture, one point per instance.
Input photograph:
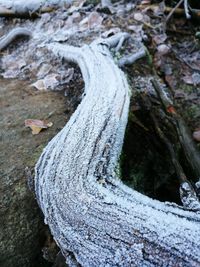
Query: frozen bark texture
{"points": [[91, 214], [6, 40], [28, 8]]}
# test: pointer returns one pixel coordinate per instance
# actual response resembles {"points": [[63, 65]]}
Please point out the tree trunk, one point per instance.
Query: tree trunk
{"points": [[88, 209]]}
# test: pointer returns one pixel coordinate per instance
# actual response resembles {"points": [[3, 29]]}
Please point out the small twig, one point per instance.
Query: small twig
{"points": [[178, 168], [13, 34], [187, 13], [183, 32], [167, 9], [130, 59], [164, 99], [114, 40], [120, 44], [188, 195], [173, 10]]}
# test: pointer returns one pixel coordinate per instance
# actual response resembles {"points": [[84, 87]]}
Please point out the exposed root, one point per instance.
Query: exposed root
{"points": [[106, 223], [189, 197], [129, 60], [187, 13], [23, 8], [6, 40]]}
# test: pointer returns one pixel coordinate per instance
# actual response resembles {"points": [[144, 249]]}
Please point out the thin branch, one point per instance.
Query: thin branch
{"points": [[7, 39], [173, 10], [187, 13], [130, 59], [116, 39]]}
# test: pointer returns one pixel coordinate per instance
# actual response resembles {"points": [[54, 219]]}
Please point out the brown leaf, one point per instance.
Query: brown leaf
{"points": [[159, 38], [37, 125], [196, 135]]}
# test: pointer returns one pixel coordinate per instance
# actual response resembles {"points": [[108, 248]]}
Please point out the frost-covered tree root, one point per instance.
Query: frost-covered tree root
{"points": [[30, 8], [91, 214]]}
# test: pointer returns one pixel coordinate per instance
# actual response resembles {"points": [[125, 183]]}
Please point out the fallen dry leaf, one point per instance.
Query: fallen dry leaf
{"points": [[138, 16], [163, 49], [196, 78], [49, 82], [39, 85], [159, 38], [196, 135], [171, 110], [37, 125], [188, 79]]}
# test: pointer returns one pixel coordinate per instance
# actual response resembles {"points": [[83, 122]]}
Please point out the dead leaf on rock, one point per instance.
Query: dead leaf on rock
{"points": [[37, 125]]}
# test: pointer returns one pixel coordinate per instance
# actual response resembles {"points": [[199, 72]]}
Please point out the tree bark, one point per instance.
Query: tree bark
{"points": [[91, 214], [23, 8]]}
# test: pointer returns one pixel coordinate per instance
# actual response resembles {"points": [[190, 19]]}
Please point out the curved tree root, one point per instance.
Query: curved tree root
{"points": [[89, 211], [24, 8], [12, 35]]}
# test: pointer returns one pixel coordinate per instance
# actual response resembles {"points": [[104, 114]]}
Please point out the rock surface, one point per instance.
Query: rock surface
{"points": [[21, 227]]}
